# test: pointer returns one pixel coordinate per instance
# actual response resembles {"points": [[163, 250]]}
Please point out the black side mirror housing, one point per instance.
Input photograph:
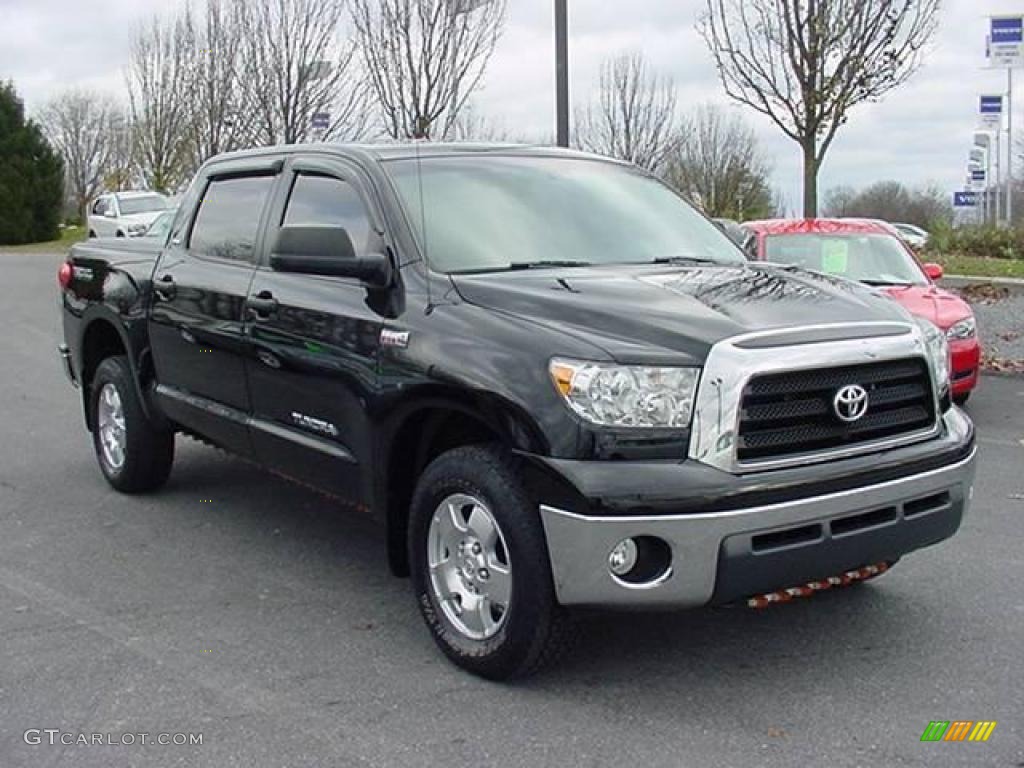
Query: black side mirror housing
{"points": [[327, 251]]}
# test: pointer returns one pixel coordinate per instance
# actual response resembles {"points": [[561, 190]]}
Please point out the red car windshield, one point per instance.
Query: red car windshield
{"points": [[875, 259]]}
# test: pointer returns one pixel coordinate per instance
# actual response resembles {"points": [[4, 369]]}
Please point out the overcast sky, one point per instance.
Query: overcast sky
{"points": [[919, 133]]}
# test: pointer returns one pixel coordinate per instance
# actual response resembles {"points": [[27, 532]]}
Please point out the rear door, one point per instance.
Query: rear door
{"points": [[315, 340], [200, 285]]}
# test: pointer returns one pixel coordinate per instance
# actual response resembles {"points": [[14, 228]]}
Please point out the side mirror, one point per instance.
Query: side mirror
{"points": [[934, 271], [327, 251], [110, 213]]}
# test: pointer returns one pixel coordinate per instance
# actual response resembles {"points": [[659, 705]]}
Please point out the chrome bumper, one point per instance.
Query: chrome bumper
{"points": [[579, 546]]}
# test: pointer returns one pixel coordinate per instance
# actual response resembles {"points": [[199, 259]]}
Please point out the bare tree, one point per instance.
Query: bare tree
{"points": [[839, 201], [805, 63], [892, 201], [79, 124], [425, 58], [633, 116], [220, 119], [718, 165], [159, 101], [295, 66]]}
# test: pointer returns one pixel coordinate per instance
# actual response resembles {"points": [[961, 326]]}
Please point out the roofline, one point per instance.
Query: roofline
{"points": [[409, 150]]}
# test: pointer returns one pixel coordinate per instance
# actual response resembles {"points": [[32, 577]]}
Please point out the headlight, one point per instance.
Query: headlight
{"points": [[965, 329], [938, 351], [612, 395], [135, 230]]}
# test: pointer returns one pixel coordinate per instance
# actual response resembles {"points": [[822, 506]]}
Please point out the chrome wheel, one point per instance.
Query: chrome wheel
{"points": [[470, 571], [110, 423]]}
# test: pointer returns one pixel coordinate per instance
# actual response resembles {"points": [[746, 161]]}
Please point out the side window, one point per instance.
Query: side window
{"points": [[327, 201], [229, 218], [100, 206]]}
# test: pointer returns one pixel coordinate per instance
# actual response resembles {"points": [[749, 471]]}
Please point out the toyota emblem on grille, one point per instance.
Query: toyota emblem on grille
{"points": [[850, 403]]}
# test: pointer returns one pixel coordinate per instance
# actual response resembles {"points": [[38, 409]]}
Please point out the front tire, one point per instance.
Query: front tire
{"points": [[133, 455], [480, 567]]}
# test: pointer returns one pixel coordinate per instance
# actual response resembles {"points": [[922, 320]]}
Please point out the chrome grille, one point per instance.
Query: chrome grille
{"points": [[790, 413]]}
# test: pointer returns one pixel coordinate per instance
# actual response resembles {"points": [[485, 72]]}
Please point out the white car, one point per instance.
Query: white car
{"points": [[125, 214], [915, 236]]}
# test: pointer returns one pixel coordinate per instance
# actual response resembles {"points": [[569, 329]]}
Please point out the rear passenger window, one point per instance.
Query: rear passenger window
{"points": [[229, 218], [320, 201]]}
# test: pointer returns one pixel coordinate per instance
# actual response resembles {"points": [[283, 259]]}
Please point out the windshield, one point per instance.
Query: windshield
{"points": [[870, 258], [141, 204], [161, 225], [499, 212]]}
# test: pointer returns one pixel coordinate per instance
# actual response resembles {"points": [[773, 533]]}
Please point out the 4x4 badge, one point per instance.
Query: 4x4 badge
{"points": [[390, 338]]}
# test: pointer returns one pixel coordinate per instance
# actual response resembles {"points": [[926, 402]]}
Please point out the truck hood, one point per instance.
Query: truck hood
{"points": [[647, 313]]}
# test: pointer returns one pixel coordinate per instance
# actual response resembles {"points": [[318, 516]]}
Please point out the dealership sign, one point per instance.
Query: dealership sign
{"points": [[964, 199], [1006, 42], [990, 112]]}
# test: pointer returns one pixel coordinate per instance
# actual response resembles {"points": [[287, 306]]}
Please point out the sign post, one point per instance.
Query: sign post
{"points": [[1006, 51]]}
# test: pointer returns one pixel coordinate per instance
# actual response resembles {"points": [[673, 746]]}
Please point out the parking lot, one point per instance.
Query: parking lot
{"points": [[236, 605]]}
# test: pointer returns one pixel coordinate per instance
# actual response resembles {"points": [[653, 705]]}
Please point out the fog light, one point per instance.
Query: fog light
{"points": [[623, 557]]}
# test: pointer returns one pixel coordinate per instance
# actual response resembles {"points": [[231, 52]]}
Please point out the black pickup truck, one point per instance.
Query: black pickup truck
{"points": [[553, 381]]}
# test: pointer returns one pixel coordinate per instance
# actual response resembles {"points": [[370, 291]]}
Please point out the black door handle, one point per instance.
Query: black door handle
{"points": [[165, 288], [263, 304]]}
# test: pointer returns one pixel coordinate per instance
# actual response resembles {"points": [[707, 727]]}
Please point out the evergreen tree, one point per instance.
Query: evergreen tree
{"points": [[31, 176]]}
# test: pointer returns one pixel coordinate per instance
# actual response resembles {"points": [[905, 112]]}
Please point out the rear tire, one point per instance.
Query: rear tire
{"points": [[480, 568], [133, 455]]}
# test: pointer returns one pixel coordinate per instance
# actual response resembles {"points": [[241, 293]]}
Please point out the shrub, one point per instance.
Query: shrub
{"points": [[986, 241]]}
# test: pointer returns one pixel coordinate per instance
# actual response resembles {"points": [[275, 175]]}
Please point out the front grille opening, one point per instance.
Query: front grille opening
{"points": [[927, 504], [854, 523], [790, 537], [792, 413]]}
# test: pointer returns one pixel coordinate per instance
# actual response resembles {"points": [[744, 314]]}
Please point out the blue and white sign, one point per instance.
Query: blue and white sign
{"points": [[1006, 41], [320, 121], [978, 176], [964, 199], [990, 112]]}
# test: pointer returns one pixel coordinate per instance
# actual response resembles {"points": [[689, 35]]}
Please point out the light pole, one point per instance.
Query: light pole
{"points": [[562, 72]]}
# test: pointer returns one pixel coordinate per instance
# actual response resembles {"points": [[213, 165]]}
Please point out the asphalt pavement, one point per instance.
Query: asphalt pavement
{"points": [[253, 612]]}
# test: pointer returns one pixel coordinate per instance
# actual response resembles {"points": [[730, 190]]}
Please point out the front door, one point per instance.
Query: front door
{"points": [[196, 322], [313, 367]]}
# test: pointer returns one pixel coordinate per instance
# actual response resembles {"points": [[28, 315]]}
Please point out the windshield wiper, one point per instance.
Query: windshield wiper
{"points": [[548, 263], [686, 260], [883, 283]]}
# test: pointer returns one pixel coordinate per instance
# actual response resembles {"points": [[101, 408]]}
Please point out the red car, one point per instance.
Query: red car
{"points": [[873, 253]]}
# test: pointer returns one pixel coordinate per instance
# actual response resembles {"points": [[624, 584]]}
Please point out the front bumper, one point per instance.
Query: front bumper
{"points": [[720, 556]]}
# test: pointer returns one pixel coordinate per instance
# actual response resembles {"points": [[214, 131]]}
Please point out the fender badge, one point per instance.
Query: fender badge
{"points": [[389, 338]]}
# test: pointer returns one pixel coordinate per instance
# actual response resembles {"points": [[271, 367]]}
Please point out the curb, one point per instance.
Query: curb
{"points": [[1012, 284]]}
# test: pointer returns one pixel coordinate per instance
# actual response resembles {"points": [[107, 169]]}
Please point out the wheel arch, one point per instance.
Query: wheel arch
{"points": [[422, 430], [103, 336]]}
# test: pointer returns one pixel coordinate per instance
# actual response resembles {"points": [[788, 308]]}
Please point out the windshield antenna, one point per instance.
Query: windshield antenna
{"points": [[423, 224]]}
